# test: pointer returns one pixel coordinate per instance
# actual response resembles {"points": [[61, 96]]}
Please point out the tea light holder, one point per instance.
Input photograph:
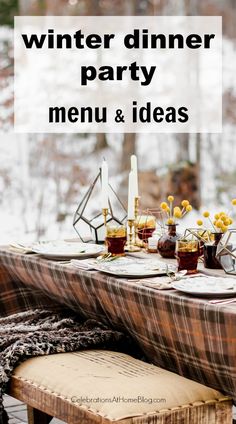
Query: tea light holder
{"points": [[94, 222]]}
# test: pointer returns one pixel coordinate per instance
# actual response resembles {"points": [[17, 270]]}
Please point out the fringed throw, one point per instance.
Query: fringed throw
{"points": [[40, 332]]}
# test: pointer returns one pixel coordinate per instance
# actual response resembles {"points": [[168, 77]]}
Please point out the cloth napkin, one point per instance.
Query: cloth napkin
{"points": [[158, 283], [163, 282], [20, 248], [84, 264]]}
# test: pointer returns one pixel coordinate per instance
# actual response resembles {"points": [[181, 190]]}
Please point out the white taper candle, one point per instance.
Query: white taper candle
{"points": [[134, 168], [131, 195]]}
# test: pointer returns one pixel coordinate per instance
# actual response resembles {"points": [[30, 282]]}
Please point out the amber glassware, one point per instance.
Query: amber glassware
{"points": [[116, 239], [210, 249], [187, 254], [146, 225], [167, 242]]}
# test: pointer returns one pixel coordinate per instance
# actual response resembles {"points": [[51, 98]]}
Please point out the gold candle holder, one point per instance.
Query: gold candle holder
{"points": [[136, 207], [130, 245], [137, 241], [105, 213]]}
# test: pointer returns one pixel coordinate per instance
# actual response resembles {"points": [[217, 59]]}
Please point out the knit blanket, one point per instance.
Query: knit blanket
{"points": [[40, 332]]}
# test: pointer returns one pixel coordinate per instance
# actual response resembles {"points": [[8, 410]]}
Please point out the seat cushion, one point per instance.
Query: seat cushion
{"points": [[112, 384]]}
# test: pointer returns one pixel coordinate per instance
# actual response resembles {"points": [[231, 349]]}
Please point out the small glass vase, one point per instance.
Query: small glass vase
{"points": [[210, 260], [167, 242]]}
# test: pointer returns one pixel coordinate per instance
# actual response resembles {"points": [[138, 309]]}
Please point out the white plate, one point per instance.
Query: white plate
{"points": [[207, 286], [65, 250], [132, 268]]}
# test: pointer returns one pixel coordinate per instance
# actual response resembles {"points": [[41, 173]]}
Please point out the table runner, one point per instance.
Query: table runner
{"points": [[181, 333]]}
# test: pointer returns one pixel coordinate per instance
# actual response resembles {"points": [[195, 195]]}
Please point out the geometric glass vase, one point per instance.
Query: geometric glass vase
{"points": [[88, 220], [201, 234], [226, 251]]}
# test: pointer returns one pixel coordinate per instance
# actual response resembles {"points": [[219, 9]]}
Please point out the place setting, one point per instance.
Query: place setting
{"points": [[59, 249]]}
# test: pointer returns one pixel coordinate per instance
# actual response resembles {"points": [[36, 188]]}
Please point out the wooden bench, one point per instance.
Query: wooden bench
{"points": [[97, 386]]}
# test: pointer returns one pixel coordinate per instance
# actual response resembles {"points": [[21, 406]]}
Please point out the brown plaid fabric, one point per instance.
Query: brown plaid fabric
{"points": [[17, 297], [183, 334]]}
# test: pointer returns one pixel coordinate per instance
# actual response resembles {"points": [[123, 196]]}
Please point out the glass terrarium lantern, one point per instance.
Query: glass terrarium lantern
{"points": [[226, 252], [89, 220]]}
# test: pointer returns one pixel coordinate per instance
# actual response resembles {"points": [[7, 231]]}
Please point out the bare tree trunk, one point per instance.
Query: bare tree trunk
{"points": [[199, 162], [39, 230], [92, 8], [27, 7], [52, 7], [130, 7], [101, 142], [183, 147], [127, 150]]}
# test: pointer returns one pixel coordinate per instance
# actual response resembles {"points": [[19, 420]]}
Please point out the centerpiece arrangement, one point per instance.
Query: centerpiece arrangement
{"points": [[167, 242], [216, 225]]}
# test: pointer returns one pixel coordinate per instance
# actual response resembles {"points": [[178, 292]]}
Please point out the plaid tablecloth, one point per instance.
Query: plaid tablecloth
{"points": [[183, 334]]}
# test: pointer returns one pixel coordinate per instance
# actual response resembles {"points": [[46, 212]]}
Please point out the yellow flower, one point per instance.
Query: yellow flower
{"points": [[224, 218], [177, 213], [199, 222], [185, 203], [219, 224], [233, 202], [217, 216], [189, 208], [222, 214], [206, 214], [170, 221], [224, 228], [230, 221], [164, 205], [170, 199]]}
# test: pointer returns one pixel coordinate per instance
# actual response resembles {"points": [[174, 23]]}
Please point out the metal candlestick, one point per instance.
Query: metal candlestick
{"points": [[105, 213], [137, 241], [136, 207], [130, 246]]}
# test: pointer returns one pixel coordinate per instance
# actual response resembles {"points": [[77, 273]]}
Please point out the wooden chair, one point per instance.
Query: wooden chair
{"points": [[91, 387]]}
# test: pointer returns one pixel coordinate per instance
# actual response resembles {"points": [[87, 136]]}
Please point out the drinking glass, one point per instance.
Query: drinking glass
{"points": [[187, 254], [116, 239], [146, 225]]}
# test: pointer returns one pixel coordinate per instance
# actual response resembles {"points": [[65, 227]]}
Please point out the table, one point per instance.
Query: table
{"points": [[183, 334]]}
